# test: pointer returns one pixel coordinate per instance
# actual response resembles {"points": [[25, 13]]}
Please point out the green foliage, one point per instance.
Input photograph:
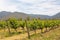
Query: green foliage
{"points": [[41, 24], [14, 23], [33, 24], [21, 23], [2, 24]]}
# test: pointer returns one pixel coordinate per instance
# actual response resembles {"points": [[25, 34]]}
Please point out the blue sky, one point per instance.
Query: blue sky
{"points": [[45, 7]]}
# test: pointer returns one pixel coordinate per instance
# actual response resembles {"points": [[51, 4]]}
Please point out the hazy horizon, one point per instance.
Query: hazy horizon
{"points": [[43, 7]]}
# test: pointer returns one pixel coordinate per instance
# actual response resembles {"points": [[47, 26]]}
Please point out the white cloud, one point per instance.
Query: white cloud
{"points": [[5, 7], [30, 1], [8, 8], [46, 7]]}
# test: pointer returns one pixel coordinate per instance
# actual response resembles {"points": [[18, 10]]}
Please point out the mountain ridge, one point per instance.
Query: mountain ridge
{"points": [[6, 15]]}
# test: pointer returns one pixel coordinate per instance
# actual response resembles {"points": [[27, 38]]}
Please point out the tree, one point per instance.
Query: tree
{"points": [[26, 22], [8, 26], [22, 24], [3, 25], [14, 23], [46, 25], [40, 25]]}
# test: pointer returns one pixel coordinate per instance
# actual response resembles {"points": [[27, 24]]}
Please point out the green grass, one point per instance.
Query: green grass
{"points": [[7, 34], [51, 35]]}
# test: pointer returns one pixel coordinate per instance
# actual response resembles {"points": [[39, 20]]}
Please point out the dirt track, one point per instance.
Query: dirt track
{"points": [[20, 36]]}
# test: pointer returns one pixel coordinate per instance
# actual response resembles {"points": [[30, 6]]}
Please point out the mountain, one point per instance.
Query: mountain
{"points": [[41, 16], [5, 15], [57, 16]]}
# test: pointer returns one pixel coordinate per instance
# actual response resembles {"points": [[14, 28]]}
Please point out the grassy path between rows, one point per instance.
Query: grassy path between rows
{"points": [[51, 35]]}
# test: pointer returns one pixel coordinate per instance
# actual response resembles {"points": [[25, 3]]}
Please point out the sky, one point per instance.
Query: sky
{"points": [[44, 7]]}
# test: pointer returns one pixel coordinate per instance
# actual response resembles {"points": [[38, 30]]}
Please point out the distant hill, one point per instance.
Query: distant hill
{"points": [[57, 16], [5, 15], [41, 16]]}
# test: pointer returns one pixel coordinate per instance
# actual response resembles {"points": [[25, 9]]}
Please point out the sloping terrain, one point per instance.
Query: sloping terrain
{"points": [[51, 35], [5, 15]]}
